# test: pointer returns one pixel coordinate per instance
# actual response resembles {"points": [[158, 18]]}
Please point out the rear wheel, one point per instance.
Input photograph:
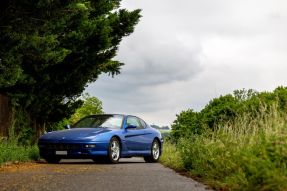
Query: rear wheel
{"points": [[114, 151], [155, 152], [53, 160]]}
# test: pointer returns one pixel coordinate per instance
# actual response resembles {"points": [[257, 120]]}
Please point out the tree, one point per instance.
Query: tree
{"points": [[91, 106], [51, 49], [220, 110], [243, 94], [186, 123]]}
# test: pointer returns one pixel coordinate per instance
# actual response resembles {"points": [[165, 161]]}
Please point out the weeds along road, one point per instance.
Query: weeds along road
{"points": [[129, 175]]}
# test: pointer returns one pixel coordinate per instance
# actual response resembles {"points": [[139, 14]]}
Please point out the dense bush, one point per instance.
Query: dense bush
{"points": [[225, 109], [187, 123], [240, 143], [247, 154]]}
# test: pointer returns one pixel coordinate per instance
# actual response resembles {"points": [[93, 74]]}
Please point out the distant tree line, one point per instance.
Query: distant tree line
{"points": [[160, 127]]}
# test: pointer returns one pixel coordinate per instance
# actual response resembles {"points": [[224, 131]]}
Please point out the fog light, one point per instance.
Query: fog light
{"points": [[89, 146]]}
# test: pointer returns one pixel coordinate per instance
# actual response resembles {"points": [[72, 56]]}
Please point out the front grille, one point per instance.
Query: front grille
{"points": [[61, 146]]}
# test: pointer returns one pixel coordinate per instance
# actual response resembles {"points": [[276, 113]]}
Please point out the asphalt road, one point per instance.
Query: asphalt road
{"points": [[129, 175]]}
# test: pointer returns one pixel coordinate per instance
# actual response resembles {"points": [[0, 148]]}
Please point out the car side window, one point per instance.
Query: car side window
{"points": [[134, 121], [143, 123], [86, 122]]}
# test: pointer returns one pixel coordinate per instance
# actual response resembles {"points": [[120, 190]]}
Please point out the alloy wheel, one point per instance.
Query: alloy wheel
{"points": [[155, 150]]}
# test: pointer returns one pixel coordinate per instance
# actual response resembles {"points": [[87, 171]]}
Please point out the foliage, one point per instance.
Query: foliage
{"points": [[171, 157], [226, 109], [20, 130], [19, 145], [247, 154], [221, 109], [187, 123], [243, 148], [9, 151], [16, 147], [58, 125], [91, 106], [50, 50]]}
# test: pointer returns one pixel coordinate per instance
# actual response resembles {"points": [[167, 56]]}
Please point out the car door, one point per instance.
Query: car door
{"points": [[136, 138]]}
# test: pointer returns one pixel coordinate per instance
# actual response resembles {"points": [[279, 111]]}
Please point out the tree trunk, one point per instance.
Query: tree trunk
{"points": [[5, 115], [38, 127]]}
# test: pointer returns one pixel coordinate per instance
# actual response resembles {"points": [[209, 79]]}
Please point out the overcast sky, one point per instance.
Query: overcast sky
{"points": [[185, 52]]}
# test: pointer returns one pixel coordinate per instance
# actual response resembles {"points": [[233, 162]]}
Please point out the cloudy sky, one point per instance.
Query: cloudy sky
{"points": [[185, 52]]}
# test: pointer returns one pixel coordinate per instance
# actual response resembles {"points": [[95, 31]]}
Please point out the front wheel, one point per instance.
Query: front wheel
{"points": [[114, 151], [155, 152]]}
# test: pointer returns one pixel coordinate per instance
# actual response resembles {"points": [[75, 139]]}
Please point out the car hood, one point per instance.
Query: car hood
{"points": [[77, 134]]}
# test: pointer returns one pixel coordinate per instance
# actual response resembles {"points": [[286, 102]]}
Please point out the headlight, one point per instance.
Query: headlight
{"points": [[90, 146]]}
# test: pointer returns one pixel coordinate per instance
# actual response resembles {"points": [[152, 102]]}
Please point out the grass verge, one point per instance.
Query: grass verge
{"points": [[10, 152], [171, 157], [249, 153]]}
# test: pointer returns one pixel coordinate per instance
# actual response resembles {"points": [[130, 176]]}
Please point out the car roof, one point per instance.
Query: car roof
{"points": [[124, 115], [104, 114]]}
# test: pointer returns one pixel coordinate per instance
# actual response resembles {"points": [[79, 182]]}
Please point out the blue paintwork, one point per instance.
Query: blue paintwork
{"points": [[134, 142]]}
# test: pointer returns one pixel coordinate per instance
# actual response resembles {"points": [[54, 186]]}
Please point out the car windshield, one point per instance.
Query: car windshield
{"points": [[100, 121]]}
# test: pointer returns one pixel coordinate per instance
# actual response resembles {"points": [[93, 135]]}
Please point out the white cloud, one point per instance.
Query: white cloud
{"points": [[185, 52]]}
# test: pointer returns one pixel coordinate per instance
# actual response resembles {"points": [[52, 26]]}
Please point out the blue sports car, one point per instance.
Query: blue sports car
{"points": [[107, 137]]}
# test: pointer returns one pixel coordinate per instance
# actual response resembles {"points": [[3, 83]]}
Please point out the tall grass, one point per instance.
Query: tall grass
{"points": [[171, 157], [10, 151], [249, 153], [14, 148]]}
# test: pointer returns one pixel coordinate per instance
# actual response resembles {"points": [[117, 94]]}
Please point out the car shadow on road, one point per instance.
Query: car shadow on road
{"points": [[88, 161]]}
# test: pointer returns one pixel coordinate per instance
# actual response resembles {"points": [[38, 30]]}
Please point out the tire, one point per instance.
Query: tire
{"points": [[155, 152], [53, 160], [114, 151]]}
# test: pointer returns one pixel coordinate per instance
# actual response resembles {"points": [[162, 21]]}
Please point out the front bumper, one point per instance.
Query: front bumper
{"points": [[72, 150]]}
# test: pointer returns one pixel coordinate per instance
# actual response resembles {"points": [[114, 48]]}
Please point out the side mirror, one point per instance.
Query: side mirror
{"points": [[131, 126], [67, 127]]}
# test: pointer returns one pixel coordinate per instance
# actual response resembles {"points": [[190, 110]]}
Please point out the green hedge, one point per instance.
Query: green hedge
{"points": [[226, 109], [249, 153]]}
